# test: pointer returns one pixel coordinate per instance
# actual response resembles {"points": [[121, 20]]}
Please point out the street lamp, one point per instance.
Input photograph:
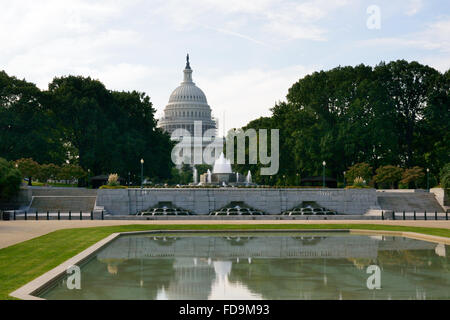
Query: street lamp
{"points": [[344, 180], [142, 173], [297, 179], [324, 164], [428, 179], [284, 177]]}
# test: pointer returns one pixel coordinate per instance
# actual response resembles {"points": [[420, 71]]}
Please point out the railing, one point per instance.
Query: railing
{"points": [[415, 215], [55, 216]]}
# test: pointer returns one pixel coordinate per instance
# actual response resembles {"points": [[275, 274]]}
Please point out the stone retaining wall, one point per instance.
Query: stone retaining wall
{"points": [[203, 201]]}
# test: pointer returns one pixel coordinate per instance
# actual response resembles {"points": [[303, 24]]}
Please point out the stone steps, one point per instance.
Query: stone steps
{"points": [[63, 192], [408, 202], [63, 203]]}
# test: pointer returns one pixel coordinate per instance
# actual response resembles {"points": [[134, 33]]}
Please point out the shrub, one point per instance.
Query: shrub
{"points": [[362, 170], [113, 180], [359, 182], [10, 180], [113, 187]]}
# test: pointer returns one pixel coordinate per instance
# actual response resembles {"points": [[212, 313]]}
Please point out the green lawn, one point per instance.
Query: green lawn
{"points": [[25, 261]]}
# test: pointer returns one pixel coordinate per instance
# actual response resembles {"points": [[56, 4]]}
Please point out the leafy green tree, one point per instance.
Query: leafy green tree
{"points": [[363, 170], [70, 172], [413, 176], [10, 180], [109, 131], [47, 172], [388, 176], [27, 128], [393, 114], [445, 177], [29, 169]]}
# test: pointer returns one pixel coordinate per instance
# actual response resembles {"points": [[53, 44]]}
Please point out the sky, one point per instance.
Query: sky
{"points": [[245, 54]]}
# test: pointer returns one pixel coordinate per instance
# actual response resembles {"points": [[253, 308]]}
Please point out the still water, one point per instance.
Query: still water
{"points": [[262, 266]]}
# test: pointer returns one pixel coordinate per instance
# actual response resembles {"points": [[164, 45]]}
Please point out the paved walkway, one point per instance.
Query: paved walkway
{"points": [[12, 232]]}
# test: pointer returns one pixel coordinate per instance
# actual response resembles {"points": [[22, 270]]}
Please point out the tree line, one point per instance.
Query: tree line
{"points": [[77, 121], [394, 114]]}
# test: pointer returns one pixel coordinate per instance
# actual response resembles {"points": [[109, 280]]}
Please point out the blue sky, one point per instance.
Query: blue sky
{"points": [[245, 55]]}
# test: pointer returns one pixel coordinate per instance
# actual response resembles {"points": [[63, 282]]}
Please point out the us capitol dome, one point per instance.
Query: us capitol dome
{"points": [[187, 104]]}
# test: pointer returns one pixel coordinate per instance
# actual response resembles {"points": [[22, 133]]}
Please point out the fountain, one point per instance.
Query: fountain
{"points": [[222, 175], [249, 177], [208, 179], [195, 173]]}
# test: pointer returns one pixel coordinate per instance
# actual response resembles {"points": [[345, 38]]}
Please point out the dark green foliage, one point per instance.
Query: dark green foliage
{"points": [[445, 177], [394, 114], [27, 128], [10, 179], [80, 122]]}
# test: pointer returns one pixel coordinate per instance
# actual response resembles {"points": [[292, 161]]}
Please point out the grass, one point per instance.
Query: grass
{"points": [[23, 262]]}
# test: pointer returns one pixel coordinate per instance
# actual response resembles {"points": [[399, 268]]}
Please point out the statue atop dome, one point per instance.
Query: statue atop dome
{"points": [[188, 65]]}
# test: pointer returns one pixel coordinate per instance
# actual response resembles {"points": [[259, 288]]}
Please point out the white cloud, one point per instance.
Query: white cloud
{"points": [[436, 37], [413, 7], [272, 19]]}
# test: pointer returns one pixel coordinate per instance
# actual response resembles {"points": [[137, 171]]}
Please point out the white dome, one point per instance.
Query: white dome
{"points": [[188, 92]]}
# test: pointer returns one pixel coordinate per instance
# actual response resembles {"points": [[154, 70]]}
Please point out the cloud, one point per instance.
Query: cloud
{"points": [[413, 7], [436, 36], [271, 19]]}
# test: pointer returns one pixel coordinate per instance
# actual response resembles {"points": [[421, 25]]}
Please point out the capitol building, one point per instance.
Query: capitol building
{"points": [[187, 104]]}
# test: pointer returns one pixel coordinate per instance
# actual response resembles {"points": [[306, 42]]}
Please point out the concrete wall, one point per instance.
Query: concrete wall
{"points": [[441, 196], [203, 201]]}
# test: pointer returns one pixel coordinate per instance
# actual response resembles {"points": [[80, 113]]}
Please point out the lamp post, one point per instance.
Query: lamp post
{"points": [[428, 179], [284, 177], [89, 177], [297, 179], [324, 164], [344, 180], [142, 173], [129, 179]]}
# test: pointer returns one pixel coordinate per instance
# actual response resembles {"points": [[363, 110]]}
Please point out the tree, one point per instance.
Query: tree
{"points": [[47, 172], [27, 128], [70, 172], [363, 170], [413, 176], [10, 180], [109, 131], [394, 114], [388, 176], [29, 169], [445, 177]]}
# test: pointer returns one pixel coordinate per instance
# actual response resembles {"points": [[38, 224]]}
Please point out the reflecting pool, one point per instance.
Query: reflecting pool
{"points": [[249, 266]]}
